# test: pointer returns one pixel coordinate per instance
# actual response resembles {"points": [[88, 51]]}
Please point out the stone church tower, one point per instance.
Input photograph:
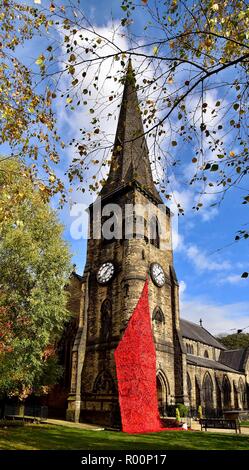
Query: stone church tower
{"points": [[114, 276]]}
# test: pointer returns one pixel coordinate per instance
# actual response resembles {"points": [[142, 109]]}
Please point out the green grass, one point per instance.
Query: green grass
{"points": [[48, 437], [244, 423]]}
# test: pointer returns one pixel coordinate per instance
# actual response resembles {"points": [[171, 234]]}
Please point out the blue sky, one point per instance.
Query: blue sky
{"points": [[207, 262]]}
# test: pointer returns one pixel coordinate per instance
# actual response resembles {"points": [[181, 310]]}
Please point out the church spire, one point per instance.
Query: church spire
{"points": [[130, 159]]}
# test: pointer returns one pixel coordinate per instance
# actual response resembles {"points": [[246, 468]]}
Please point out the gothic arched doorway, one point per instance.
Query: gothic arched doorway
{"points": [[162, 393]]}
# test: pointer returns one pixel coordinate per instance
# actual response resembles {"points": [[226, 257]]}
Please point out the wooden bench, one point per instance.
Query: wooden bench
{"points": [[220, 423]]}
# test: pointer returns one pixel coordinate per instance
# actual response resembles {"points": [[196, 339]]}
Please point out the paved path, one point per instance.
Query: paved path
{"points": [[70, 424], [197, 427]]}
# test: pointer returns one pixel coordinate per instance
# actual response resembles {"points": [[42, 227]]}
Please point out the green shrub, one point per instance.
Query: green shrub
{"points": [[183, 410]]}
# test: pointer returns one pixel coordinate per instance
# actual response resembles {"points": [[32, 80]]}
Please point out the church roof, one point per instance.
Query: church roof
{"points": [[198, 333], [208, 363], [235, 358], [78, 276], [130, 160]]}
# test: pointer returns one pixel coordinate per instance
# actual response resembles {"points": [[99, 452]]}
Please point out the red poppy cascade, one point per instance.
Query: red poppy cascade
{"points": [[135, 359]]}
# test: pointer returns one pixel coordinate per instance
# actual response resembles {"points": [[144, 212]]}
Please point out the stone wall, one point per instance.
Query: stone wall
{"points": [[199, 349], [218, 378]]}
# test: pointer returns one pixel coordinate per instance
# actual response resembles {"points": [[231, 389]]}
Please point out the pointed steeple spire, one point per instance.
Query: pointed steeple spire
{"points": [[130, 159]]}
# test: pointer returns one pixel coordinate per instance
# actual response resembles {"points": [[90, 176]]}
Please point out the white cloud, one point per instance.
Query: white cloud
{"points": [[184, 198], [202, 260], [189, 197], [232, 279], [216, 318], [182, 288], [198, 257]]}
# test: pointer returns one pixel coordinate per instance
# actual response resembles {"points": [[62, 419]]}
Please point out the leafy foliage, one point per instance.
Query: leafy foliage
{"points": [[191, 62], [235, 341], [183, 409], [27, 122], [34, 265], [187, 50]]}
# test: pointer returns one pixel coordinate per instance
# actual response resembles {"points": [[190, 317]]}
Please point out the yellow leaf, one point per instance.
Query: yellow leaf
{"points": [[69, 100], [155, 50], [232, 154], [215, 7], [40, 60], [38, 2], [170, 80]]}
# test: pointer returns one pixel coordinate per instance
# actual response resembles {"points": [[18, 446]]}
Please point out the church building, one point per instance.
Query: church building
{"points": [[192, 367]]}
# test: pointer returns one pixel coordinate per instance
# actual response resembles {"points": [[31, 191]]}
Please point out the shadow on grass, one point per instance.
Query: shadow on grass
{"points": [[48, 437]]}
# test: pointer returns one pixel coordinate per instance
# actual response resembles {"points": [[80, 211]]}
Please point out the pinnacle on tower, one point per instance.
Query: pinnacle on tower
{"points": [[130, 159]]}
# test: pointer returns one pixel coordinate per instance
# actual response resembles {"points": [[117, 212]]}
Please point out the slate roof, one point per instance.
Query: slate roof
{"points": [[198, 333], [130, 160], [235, 358], [78, 276], [208, 363]]}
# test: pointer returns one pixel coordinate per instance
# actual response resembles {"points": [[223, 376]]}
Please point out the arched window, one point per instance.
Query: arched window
{"points": [[189, 388], [106, 320], [218, 395], [236, 395], [226, 388], [207, 388], [158, 316], [133, 226], [111, 225], [242, 393], [206, 354], [154, 232], [197, 393], [104, 383], [190, 349]]}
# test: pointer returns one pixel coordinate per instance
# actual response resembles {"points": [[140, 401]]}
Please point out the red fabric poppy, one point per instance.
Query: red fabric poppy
{"points": [[135, 359]]}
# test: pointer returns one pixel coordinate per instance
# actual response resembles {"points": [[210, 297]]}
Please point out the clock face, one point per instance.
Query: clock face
{"points": [[157, 274], [105, 272]]}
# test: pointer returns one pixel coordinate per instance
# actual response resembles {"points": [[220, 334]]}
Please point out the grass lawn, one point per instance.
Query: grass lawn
{"points": [[48, 437], [245, 423]]}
